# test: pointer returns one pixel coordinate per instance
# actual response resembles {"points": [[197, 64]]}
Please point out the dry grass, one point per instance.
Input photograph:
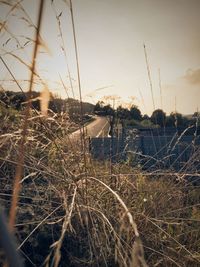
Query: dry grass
{"points": [[56, 223]]}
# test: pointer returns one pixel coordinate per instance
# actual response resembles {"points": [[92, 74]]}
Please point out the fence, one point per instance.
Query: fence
{"points": [[150, 151]]}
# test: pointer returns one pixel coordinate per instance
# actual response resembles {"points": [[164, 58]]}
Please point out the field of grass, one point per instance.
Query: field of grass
{"points": [[74, 211]]}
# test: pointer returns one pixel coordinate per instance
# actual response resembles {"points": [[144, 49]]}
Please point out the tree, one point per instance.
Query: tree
{"points": [[196, 118], [159, 117], [123, 113], [108, 110], [196, 115], [175, 119], [99, 106], [135, 113], [145, 117]]}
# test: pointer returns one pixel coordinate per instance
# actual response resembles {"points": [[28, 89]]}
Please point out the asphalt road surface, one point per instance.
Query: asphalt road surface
{"points": [[98, 128]]}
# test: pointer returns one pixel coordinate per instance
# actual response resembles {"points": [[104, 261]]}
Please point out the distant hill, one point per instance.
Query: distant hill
{"points": [[72, 106]]}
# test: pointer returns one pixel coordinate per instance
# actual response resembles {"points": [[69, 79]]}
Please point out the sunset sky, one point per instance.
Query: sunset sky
{"points": [[110, 36]]}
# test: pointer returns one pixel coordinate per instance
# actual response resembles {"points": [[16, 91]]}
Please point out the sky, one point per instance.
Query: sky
{"points": [[110, 37]]}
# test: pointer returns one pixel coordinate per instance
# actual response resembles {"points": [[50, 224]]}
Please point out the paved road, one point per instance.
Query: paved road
{"points": [[97, 128]]}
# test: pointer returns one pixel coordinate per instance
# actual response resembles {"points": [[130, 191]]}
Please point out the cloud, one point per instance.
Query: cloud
{"points": [[192, 76]]}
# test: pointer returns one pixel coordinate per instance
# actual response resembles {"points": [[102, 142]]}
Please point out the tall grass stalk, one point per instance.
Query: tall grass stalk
{"points": [[19, 168], [160, 87], [8, 69], [63, 47], [57, 245], [82, 130], [149, 76]]}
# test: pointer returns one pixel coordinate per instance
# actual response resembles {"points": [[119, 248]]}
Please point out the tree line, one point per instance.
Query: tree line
{"points": [[133, 116], [130, 116]]}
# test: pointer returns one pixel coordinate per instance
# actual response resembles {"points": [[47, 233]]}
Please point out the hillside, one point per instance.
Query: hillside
{"points": [[17, 100]]}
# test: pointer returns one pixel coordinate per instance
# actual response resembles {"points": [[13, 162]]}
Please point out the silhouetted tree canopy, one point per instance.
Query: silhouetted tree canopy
{"points": [[135, 113], [108, 110], [145, 117], [99, 106], [158, 117], [174, 120], [123, 113], [196, 114], [101, 109]]}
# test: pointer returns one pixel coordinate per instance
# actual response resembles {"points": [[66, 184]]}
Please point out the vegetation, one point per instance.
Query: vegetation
{"points": [[67, 209], [73, 210], [134, 117], [158, 117], [17, 101], [64, 210]]}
